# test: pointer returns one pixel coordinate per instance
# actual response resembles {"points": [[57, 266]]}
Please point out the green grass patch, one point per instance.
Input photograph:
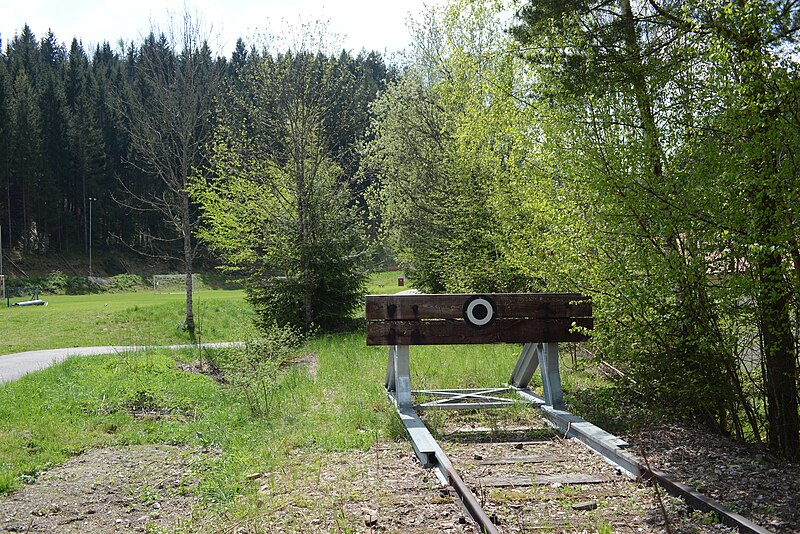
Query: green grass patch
{"points": [[137, 318], [86, 402], [122, 319], [385, 283], [143, 397]]}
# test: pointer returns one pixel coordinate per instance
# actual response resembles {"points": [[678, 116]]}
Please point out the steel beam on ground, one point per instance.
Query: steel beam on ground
{"points": [[425, 446], [607, 445], [432, 456]]}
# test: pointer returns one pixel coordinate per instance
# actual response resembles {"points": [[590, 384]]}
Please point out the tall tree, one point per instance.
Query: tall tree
{"points": [[53, 112], [663, 214], [279, 206], [168, 115], [25, 164], [5, 145], [751, 49], [87, 151], [442, 135]]}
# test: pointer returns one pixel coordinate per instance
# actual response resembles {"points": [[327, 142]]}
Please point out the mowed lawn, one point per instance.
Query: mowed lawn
{"points": [[141, 318]]}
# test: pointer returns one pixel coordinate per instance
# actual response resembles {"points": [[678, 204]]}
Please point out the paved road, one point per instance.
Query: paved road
{"points": [[13, 366]]}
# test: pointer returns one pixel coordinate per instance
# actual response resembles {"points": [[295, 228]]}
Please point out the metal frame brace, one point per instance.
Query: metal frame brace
{"points": [[534, 355]]}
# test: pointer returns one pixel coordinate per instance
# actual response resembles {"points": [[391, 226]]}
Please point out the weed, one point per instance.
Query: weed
{"points": [[707, 518], [141, 400], [435, 420], [148, 495], [604, 528], [8, 479], [253, 370], [510, 496]]}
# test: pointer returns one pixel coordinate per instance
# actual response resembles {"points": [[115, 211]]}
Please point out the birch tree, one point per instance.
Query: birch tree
{"points": [[168, 114]]}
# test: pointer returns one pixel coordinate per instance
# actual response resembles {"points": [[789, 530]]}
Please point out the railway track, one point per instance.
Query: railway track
{"points": [[526, 477]]}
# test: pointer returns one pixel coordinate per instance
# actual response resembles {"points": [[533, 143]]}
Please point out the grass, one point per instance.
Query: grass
{"points": [[140, 318], [47, 416], [385, 283], [122, 319]]}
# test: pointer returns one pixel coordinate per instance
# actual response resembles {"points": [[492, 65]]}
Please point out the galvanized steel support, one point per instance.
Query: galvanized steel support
{"points": [[527, 363], [551, 378], [398, 375], [545, 357]]}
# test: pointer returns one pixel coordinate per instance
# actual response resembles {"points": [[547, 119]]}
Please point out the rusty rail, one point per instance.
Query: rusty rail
{"points": [[469, 501]]}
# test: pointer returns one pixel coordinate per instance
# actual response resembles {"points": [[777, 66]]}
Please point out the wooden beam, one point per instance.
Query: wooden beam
{"points": [[451, 306], [543, 480], [451, 332]]}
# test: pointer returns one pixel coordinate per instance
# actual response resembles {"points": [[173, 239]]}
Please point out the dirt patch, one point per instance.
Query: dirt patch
{"points": [[138, 488], [308, 361], [383, 489], [205, 367]]}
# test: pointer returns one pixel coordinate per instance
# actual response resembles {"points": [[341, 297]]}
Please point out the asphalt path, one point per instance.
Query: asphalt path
{"points": [[13, 366]]}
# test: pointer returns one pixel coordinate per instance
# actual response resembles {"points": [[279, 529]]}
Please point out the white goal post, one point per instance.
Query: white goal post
{"points": [[173, 283], [2, 286]]}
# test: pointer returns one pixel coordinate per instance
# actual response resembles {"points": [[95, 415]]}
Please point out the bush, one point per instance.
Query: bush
{"points": [[125, 282], [254, 370], [56, 282]]}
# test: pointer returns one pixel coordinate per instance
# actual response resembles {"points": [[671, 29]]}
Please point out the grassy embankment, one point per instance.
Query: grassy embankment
{"points": [[96, 401]]}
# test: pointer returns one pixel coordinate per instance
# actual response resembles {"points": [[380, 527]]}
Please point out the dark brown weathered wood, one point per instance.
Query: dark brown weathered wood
{"points": [[510, 460], [451, 306], [542, 480], [454, 332]]}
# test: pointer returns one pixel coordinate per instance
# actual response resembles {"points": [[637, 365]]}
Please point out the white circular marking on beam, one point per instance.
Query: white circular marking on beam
{"points": [[479, 311]]}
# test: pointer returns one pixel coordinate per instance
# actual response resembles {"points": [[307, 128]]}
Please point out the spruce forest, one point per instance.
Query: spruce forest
{"points": [[645, 154]]}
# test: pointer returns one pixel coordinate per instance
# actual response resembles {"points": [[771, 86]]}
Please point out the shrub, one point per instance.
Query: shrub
{"points": [[253, 370], [56, 282], [126, 282]]}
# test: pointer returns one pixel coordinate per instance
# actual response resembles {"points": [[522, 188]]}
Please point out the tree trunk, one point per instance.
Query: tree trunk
{"points": [[188, 259], [773, 290], [781, 366]]}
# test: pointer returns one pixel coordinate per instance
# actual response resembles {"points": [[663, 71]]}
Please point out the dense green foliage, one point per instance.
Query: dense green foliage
{"points": [[645, 155], [279, 204], [72, 127], [125, 132], [443, 139]]}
